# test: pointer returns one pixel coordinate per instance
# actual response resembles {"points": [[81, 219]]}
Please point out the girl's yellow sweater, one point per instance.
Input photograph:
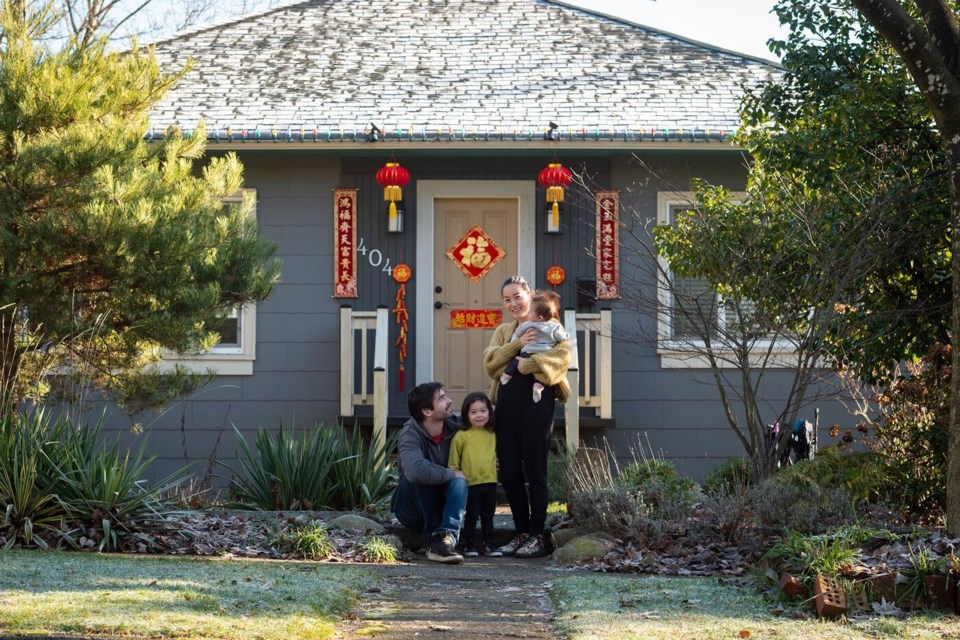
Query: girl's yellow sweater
{"points": [[474, 451]]}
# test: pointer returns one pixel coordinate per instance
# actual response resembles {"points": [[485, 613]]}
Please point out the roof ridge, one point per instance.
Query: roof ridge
{"points": [[284, 4], [670, 34]]}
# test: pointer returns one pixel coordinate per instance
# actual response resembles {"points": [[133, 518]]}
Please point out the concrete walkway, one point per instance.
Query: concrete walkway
{"points": [[481, 599]]}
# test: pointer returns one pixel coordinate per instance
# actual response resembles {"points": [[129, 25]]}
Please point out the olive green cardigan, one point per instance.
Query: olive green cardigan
{"points": [[551, 366]]}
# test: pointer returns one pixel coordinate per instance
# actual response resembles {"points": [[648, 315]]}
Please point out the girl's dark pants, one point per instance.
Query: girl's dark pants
{"points": [[482, 502], [524, 428]]}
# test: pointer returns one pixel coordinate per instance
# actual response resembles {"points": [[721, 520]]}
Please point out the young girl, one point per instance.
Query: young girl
{"points": [[474, 452]]}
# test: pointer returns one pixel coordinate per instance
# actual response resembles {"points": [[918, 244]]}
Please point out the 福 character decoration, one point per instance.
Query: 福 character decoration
{"points": [[401, 273]]}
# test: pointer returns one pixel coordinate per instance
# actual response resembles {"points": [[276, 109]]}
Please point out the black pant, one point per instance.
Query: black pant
{"points": [[524, 428], [482, 502]]}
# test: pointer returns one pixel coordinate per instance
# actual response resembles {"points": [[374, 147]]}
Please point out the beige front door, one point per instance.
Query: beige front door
{"points": [[458, 353]]}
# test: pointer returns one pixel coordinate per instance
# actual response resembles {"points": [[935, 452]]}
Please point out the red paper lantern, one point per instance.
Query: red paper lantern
{"points": [[391, 177], [554, 178]]}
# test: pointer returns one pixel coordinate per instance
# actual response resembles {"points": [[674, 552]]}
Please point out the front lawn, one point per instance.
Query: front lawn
{"points": [[611, 607], [44, 593]]}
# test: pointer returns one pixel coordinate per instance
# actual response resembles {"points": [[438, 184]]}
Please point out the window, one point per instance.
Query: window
{"points": [[235, 352], [689, 306]]}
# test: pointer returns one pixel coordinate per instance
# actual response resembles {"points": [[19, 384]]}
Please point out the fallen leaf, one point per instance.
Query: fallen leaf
{"points": [[744, 633]]}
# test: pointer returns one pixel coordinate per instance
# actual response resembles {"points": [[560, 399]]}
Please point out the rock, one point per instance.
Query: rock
{"points": [[581, 549], [562, 536], [353, 522]]}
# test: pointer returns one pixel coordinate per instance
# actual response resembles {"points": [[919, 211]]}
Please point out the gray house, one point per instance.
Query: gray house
{"points": [[473, 101]]}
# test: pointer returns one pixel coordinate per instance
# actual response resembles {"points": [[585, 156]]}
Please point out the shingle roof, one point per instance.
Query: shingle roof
{"points": [[449, 68]]}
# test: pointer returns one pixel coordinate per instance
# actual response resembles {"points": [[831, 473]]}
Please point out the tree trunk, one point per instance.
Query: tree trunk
{"points": [[953, 448]]}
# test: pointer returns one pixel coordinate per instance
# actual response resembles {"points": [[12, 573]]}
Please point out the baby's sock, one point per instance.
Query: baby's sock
{"points": [[505, 378], [537, 391]]}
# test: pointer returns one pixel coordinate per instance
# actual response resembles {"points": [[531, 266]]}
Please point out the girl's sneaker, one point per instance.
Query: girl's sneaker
{"points": [[534, 547], [511, 547], [492, 553], [471, 551]]}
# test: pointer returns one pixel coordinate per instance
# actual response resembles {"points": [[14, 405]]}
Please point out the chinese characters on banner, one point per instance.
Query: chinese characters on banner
{"points": [[476, 319], [608, 256], [345, 243]]}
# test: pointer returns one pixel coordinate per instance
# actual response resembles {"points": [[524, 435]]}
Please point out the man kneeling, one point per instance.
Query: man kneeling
{"points": [[430, 498]]}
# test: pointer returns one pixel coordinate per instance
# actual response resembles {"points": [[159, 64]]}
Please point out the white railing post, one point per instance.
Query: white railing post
{"points": [[380, 387], [346, 361], [605, 347], [571, 410]]}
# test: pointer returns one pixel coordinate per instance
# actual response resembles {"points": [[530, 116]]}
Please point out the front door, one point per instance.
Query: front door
{"points": [[458, 352]]}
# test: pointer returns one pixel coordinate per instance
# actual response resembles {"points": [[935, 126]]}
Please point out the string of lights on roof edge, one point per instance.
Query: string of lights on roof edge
{"points": [[595, 134]]}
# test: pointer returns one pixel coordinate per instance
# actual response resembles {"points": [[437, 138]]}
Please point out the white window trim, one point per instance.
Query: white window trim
{"points": [[676, 354], [231, 360]]}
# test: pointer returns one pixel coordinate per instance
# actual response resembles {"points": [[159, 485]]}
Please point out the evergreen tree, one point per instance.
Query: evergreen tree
{"points": [[112, 247]]}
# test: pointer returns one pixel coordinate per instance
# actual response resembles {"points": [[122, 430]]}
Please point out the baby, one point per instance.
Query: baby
{"points": [[544, 317]]}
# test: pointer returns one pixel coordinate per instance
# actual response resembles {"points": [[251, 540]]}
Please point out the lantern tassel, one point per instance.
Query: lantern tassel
{"points": [[393, 215], [555, 220]]}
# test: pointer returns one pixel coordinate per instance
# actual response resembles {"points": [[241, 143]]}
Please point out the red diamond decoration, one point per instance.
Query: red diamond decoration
{"points": [[475, 253]]}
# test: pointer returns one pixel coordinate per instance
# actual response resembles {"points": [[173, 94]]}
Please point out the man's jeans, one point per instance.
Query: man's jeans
{"points": [[431, 509]]}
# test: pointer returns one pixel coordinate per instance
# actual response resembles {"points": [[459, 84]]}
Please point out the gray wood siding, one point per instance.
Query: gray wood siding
{"points": [[296, 373]]}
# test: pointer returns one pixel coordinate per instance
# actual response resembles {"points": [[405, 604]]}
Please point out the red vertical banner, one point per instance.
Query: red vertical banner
{"points": [[608, 245], [345, 243]]}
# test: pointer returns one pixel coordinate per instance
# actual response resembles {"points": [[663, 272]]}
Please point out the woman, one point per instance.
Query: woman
{"points": [[523, 425]]}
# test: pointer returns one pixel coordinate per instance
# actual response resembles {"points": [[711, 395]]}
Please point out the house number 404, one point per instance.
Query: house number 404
{"points": [[375, 258]]}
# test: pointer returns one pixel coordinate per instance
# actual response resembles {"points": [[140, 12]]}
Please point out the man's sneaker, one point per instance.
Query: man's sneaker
{"points": [[471, 551], [441, 550], [492, 553], [534, 547], [511, 547]]}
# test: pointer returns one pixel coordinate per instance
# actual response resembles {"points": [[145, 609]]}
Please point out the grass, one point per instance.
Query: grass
{"points": [[47, 593], [663, 608]]}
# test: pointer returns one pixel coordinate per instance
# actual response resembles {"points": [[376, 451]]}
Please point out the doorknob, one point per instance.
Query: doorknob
{"points": [[438, 305]]}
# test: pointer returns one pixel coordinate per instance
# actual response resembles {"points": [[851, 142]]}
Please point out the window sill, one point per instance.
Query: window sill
{"points": [[675, 355], [223, 364]]}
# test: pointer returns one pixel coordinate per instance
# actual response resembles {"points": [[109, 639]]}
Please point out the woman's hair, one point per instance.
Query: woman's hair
{"points": [[517, 280], [465, 409]]}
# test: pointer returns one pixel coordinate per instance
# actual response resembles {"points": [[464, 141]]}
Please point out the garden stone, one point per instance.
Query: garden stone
{"points": [[562, 536], [353, 522], [581, 549]]}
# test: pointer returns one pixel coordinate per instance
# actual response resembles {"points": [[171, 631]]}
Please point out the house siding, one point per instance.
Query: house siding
{"points": [[296, 375]]}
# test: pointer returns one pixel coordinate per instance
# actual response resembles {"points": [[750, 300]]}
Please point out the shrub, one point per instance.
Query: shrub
{"points": [[318, 469], [860, 473], [27, 494], [730, 477], [364, 477], [790, 503], [912, 433], [103, 491], [64, 480], [613, 509], [668, 494]]}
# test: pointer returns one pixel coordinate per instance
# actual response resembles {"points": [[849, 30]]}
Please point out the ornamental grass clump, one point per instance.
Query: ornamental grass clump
{"points": [[319, 469], [67, 483], [310, 541]]}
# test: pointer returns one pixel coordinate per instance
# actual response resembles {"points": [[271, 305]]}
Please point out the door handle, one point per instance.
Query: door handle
{"points": [[438, 305]]}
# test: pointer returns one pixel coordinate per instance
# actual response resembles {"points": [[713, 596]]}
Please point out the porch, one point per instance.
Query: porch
{"points": [[365, 351]]}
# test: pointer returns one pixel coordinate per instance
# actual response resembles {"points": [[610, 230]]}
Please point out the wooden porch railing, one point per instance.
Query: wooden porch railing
{"points": [[590, 373]]}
